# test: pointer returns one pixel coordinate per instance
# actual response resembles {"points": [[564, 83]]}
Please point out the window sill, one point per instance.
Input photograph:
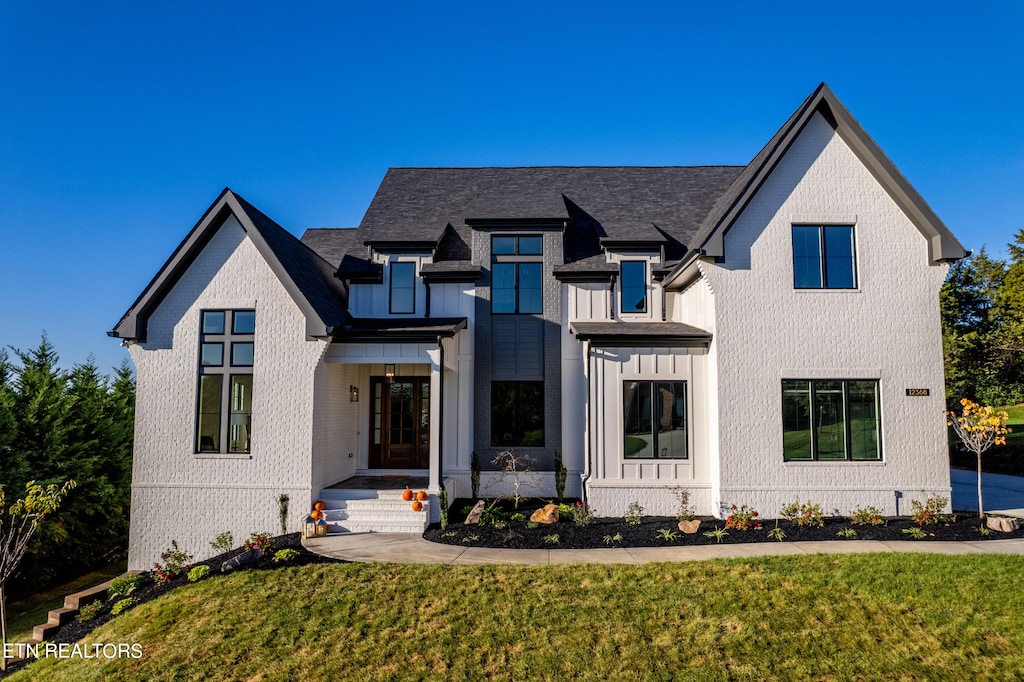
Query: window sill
{"points": [[222, 455], [836, 462], [825, 290]]}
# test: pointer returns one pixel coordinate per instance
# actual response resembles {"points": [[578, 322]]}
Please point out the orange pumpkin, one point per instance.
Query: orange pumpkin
{"points": [[317, 514], [407, 494], [421, 495], [319, 506], [417, 505]]}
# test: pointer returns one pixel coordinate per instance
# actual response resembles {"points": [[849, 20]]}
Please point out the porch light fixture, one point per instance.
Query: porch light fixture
{"points": [[353, 394], [309, 527], [389, 371]]}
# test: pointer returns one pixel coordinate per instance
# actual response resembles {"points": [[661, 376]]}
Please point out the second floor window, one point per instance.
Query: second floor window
{"points": [[824, 257], [517, 272], [224, 401], [634, 286], [403, 288]]}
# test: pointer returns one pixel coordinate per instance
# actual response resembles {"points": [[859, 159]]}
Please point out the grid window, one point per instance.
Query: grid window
{"points": [[224, 395], [517, 274], [831, 419], [824, 257], [654, 420]]}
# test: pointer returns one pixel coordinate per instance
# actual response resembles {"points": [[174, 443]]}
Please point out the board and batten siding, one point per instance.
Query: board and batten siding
{"points": [[177, 494], [887, 329]]}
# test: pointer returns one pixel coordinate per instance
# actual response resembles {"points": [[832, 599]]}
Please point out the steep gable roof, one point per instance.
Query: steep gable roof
{"points": [[307, 277], [709, 239], [330, 243]]}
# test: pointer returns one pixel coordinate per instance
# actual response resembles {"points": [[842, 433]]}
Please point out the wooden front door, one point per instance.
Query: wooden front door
{"points": [[400, 423]]}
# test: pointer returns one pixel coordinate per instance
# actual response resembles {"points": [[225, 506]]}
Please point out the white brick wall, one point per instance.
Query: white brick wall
{"points": [[177, 494]]}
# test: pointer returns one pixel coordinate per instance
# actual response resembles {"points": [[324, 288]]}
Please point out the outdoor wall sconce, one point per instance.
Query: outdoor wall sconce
{"points": [[353, 394], [389, 371]]}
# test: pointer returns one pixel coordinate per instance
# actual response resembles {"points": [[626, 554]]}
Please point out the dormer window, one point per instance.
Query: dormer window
{"points": [[517, 270], [634, 286], [403, 288]]}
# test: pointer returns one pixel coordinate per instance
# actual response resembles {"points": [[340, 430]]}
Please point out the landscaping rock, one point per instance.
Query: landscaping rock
{"points": [[1003, 525], [243, 559], [689, 527], [547, 514], [474, 516]]}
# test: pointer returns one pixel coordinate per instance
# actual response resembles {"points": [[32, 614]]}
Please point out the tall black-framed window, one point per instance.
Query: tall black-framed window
{"points": [[517, 413], [224, 394], [517, 274], [824, 257], [402, 297], [830, 420], [633, 286], [654, 420]]}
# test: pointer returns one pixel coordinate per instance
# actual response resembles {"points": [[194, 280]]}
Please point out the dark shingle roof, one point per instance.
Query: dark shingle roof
{"points": [[331, 243], [622, 203], [640, 333]]}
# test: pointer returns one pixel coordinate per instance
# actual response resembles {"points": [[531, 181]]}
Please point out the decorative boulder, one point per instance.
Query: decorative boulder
{"points": [[244, 559], [547, 514], [689, 527], [474, 516], [1003, 525]]}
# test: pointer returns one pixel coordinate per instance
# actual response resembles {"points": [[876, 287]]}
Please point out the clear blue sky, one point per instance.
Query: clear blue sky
{"points": [[121, 122]]}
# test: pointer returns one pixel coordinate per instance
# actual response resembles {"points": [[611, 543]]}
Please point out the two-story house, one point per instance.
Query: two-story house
{"points": [[753, 334]]}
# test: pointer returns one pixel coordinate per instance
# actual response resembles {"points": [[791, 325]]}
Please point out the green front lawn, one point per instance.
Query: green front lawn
{"points": [[879, 616]]}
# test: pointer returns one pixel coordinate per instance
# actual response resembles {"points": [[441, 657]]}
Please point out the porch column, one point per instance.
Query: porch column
{"points": [[436, 426]]}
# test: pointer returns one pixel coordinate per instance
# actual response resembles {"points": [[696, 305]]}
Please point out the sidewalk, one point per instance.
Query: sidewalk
{"points": [[408, 548]]}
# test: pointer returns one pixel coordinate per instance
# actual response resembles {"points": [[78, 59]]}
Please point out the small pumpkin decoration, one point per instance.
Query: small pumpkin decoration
{"points": [[417, 505], [407, 495], [317, 514], [421, 495], [319, 506]]}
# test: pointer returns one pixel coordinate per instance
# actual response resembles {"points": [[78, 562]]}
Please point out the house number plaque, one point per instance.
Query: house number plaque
{"points": [[919, 391]]}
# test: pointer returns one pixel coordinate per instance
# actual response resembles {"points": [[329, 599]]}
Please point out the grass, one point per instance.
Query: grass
{"points": [[25, 614], [894, 616], [1015, 422]]}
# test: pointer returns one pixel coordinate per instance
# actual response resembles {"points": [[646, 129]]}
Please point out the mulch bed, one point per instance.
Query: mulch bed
{"points": [[601, 533], [148, 590]]}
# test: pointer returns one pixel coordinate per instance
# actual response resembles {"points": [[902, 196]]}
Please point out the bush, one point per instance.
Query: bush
{"points": [[583, 514], [283, 556], [634, 513], [175, 560], [123, 605], [123, 586], [930, 511], [90, 611], [261, 541], [806, 515], [866, 516], [742, 518], [223, 542], [198, 573]]}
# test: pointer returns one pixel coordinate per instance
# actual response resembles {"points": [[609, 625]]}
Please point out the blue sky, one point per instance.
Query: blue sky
{"points": [[121, 122]]}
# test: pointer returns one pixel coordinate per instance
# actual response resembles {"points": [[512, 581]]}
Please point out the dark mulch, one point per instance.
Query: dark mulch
{"points": [[148, 589], [601, 533]]}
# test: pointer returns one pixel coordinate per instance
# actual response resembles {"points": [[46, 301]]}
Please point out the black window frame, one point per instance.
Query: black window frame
{"points": [[814, 418], [622, 286], [519, 257], [412, 287], [226, 335], [518, 417], [652, 386], [823, 257]]}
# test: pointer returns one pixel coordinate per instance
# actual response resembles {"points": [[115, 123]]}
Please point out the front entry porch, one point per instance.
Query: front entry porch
{"points": [[374, 504], [400, 423]]}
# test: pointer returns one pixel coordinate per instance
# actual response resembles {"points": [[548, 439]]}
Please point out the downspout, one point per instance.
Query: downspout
{"points": [[426, 311], [585, 476], [611, 298]]}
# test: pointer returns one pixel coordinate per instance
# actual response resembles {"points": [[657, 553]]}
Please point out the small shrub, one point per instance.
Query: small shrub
{"points": [[564, 511], [518, 516], [123, 605], [560, 476], [474, 475], [866, 516], [509, 537], [198, 572], [634, 513], [930, 511], [984, 530], [805, 515], [449, 534], [848, 533], [282, 512], [499, 524], [532, 524], [261, 541], [175, 560], [284, 556], [666, 534], [718, 534], [777, 533], [490, 514], [609, 539], [583, 514], [90, 611], [685, 512], [551, 539], [123, 586], [223, 542], [742, 518], [442, 501], [916, 533], [470, 539]]}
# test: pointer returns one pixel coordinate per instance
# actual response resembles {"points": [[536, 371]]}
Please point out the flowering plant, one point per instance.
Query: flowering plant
{"points": [[742, 518], [805, 515], [175, 560], [261, 541], [583, 514]]}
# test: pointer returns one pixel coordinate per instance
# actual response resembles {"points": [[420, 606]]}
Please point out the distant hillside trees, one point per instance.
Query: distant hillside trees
{"points": [[982, 305], [57, 425]]}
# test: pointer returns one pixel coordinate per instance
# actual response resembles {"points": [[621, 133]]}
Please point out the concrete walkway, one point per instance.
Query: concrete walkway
{"points": [[407, 548]]}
